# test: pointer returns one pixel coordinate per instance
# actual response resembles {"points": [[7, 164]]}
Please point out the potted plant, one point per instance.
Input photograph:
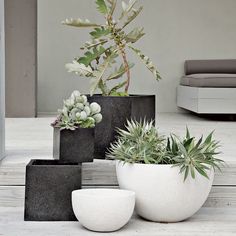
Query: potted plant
{"points": [[105, 62], [171, 177], [73, 139], [48, 188]]}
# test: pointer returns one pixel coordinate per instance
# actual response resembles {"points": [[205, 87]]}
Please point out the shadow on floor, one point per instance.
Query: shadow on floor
{"points": [[216, 117]]}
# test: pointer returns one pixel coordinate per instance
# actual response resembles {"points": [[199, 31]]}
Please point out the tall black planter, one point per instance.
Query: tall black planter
{"points": [[115, 112], [73, 145], [48, 189]]}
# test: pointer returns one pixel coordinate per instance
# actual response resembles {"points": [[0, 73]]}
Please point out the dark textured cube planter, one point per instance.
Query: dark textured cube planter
{"points": [[73, 145], [115, 112], [48, 189]]}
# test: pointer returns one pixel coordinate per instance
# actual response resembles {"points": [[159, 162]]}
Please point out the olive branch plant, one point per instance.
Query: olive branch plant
{"points": [[109, 41]]}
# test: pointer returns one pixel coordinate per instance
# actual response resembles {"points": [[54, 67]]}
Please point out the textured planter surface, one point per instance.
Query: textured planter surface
{"points": [[73, 145], [103, 210], [49, 185], [161, 193], [115, 112]]}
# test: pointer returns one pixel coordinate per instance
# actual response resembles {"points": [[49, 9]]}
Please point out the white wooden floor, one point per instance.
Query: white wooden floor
{"points": [[207, 222], [32, 138]]}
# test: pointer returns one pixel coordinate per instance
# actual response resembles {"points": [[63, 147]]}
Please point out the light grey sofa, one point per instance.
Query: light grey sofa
{"points": [[208, 87]]}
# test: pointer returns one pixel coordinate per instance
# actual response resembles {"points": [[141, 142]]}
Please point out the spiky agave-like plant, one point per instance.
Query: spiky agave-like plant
{"points": [[192, 155], [109, 41], [141, 143]]}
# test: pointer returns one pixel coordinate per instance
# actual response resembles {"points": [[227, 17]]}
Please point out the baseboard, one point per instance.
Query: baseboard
{"points": [[47, 114]]}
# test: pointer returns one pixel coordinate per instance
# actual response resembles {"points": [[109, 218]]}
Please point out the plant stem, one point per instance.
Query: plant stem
{"points": [[126, 65], [121, 47]]}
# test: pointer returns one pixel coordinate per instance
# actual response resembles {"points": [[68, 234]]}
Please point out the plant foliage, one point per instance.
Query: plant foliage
{"points": [[109, 41], [141, 143], [78, 112], [192, 155]]}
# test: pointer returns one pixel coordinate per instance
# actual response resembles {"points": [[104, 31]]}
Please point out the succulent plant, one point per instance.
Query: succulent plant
{"points": [[141, 143], [108, 46], [192, 155], [78, 112]]}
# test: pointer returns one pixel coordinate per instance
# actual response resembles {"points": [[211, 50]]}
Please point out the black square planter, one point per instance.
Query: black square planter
{"points": [[48, 189], [73, 145], [115, 112]]}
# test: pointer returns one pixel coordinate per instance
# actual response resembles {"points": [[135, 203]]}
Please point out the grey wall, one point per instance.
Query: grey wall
{"points": [[175, 31], [21, 46], [2, 82]]}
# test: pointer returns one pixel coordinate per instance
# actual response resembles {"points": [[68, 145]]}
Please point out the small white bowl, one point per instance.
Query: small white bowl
{"points": [[103, 210]]}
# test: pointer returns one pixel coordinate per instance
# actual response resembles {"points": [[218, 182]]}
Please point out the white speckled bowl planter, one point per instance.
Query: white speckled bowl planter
{"points": [[103, 210], [162, 195]]}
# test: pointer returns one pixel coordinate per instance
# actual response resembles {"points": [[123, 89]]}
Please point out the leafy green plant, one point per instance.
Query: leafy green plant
{"points": [[78, 112], [108, 43], [141, 143]]}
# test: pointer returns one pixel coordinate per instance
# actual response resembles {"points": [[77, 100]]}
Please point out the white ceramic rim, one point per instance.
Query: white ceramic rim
{"points": [[151, 165], [143, 164], [103, 192]]}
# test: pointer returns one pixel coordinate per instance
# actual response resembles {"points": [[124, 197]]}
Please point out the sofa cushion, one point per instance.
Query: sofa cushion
{"points": [[226, 66], [209, 80]]}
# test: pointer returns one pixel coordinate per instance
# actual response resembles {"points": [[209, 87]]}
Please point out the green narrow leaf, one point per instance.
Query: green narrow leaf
{"points": [[199, 142], [79, 23], [182, 149], [113, 91], [102, 7], [94, 43], [112, 6], [148, 63], [174, 145], [182, 169], [146, 160], [188, 143], [119, 72], [134, 35], [127, 7], [202, 172], [102, 86], [187, 133], [186, 173], [168, 144], [99, 32], [130, 18], [209, 138], [99, 73], [192, 171]]}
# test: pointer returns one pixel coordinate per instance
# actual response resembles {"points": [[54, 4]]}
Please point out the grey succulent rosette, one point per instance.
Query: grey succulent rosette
{"points": [[78, 112]]}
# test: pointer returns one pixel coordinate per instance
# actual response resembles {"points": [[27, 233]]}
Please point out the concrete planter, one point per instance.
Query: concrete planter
{"points": [[73, 145], [162, 195], [115, 112], [103, 210], [49, 185]]}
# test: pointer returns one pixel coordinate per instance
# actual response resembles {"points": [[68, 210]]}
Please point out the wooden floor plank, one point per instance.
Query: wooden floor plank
{"points": [[207, 222], [13, 196], [102, 172]]}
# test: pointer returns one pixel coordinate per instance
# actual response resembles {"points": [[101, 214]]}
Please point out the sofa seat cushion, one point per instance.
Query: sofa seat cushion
{"points": [[209, 80]]}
